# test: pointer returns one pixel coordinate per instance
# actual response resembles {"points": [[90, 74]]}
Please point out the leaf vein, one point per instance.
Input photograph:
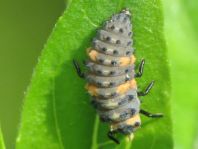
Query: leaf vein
{"points": [[95, 133], [55, 116], [88, 19]]}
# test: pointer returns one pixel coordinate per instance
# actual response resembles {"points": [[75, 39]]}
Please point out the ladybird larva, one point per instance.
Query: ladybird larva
{"points": [[111, 77]]}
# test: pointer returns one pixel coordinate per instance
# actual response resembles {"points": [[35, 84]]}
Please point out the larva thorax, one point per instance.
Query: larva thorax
{"points": [[111, 73]]}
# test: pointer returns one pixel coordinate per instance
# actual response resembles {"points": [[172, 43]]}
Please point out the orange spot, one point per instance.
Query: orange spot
{"points": [[126, 86], [133, 59], [92, 90], [130, 121], [92, 54], [127, 60], [133, 84], [133, 120]]}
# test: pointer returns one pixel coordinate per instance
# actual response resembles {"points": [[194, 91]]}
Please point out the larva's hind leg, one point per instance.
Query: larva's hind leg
{"points": [[111, 135], [147, 90], [78, 70], [148, 114], [141, 69]]}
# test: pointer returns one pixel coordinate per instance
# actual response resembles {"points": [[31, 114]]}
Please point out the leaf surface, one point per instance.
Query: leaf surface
{"points": [[57, 113]]}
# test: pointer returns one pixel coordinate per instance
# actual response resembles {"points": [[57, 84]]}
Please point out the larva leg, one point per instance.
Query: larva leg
{"points": [[148, 114], [84, 62], [111, 135], [143, 93], [141, 69], [78, 70]]}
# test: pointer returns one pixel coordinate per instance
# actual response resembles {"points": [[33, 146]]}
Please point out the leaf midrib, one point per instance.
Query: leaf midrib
{"points": [[94, 144]]}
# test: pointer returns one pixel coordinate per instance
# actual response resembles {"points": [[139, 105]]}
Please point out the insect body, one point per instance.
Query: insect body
{"points": [[111, 77]]}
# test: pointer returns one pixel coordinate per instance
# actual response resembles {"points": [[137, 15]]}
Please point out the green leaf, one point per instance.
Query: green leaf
{"points": [[182, 44], [2, 146], [57, 113]]}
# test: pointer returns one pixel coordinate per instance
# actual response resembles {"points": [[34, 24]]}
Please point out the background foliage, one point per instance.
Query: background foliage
{"points": [[24, 28], [181, 28]]}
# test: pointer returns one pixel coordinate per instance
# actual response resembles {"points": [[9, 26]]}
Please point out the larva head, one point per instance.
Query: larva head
{"points": [[119, 23], [126, 11]]}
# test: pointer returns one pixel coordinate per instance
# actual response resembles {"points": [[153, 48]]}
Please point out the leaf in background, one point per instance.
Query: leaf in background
{"points": [[57, 113], [182, 44], [2, 146]]}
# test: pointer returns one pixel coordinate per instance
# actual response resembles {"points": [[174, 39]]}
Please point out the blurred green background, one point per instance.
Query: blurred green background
{"points": [[26, 25], [181, 32], [24, 28]]}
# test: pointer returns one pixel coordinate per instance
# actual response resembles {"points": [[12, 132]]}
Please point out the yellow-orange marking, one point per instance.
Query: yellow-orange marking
{"points": [[130, 121], [92, 54], [133, 120], [126, 86], [92, 90], [124, 61]]}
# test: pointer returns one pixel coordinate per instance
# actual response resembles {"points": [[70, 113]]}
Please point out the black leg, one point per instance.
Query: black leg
{"points": [[78, 70], [111, 135], [141, 69], [157, 115], [84, 62], [147, 89]]}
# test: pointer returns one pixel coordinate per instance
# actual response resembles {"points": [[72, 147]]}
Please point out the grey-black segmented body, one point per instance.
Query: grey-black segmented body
{"points": [[111, 77], [104, 81], [113, 42], [102, 70]]}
